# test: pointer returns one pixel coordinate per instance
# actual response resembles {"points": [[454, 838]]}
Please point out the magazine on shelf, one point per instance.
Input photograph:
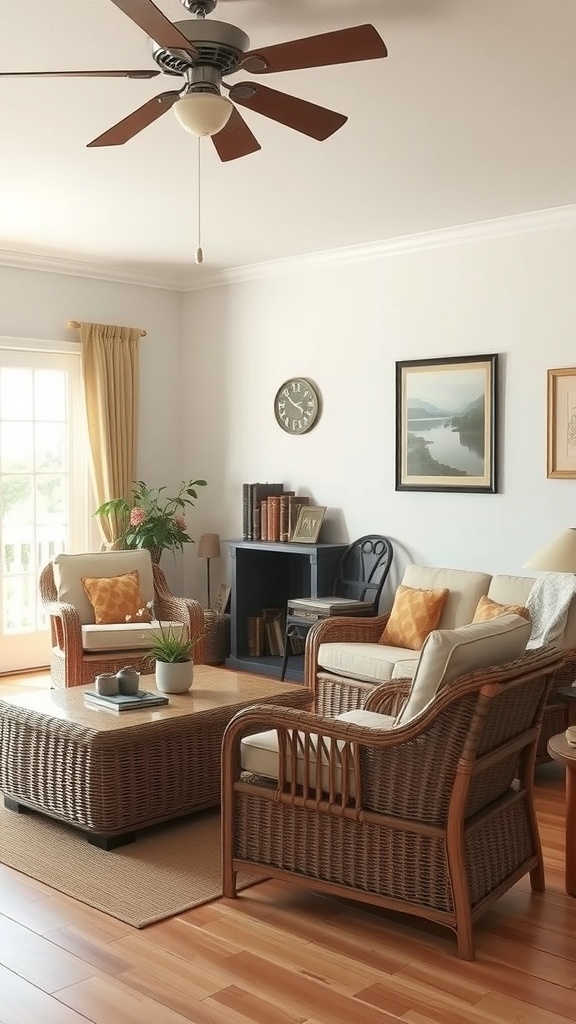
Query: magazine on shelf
{"points": [[124, 701], [328, 604]]}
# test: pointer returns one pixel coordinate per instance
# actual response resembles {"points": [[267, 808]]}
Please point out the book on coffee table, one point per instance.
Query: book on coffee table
{"points": [[125, 701]]}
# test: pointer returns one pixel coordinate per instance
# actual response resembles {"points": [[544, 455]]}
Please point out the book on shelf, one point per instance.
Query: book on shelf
{"points": [[255, 636], [273, 620], [258, 494], [125, 701]]}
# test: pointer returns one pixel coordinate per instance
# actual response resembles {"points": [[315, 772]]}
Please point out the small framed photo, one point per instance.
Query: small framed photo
{"points": [[446, 424], [309, 523], [561, 463], [220, 602]]}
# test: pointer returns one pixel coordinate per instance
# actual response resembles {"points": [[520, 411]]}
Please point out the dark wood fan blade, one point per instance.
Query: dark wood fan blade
{"points": [[146, 15], [136, 121], [342, 47], [235, 139], [79, 74], [317, 122]]}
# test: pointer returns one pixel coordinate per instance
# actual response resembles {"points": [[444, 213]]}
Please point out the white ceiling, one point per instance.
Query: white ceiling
{"points": [[471, 116]]}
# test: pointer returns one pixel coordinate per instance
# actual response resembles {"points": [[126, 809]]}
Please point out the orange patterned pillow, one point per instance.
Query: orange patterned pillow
{"points": [[489, 609], [415, 613], [116, 598]]}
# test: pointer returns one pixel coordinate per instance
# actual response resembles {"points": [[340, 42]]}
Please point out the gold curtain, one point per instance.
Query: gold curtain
{"points": [[110, 374]]}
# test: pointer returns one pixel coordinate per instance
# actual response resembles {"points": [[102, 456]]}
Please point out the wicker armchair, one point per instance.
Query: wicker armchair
{"points": [[73, 665], [335, 694], [425, 818]]}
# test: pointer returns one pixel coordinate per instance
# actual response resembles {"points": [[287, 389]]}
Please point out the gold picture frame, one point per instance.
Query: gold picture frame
{"points": [[309, 524], [561, 432]]}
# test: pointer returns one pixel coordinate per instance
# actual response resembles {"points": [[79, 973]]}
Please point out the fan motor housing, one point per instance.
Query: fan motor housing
{"points": [[219, 46]]}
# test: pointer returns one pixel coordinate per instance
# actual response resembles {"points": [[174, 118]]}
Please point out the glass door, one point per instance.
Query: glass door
{"points": [[43, 489]]}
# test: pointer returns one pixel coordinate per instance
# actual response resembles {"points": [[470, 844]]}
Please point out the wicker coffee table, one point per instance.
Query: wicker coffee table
{"points": [[110, 773]]}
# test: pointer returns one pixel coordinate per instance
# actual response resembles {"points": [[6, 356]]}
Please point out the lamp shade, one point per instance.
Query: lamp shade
{"points": [[203, 113], [209, 546], [558, 556]]}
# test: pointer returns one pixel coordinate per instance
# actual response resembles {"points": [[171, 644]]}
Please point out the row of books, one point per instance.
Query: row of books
{"points": [[267, 634], [269, 512]]}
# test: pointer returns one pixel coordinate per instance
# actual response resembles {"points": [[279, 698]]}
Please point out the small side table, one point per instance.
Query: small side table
{"points": [[560, 750]]}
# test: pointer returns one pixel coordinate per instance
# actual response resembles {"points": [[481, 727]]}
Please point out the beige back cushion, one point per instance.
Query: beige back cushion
{"points": [[464, 591], [69, 570], [448, 654]]}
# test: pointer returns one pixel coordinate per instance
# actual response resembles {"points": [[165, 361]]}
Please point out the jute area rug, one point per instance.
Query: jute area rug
{"points": [[170, 868]]}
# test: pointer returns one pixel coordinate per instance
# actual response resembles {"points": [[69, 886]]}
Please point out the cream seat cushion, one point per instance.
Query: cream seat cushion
{"points": [[125, 636], [259, 752], [370, 663]]}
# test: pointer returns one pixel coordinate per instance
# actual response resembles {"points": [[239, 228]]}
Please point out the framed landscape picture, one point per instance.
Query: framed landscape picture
{"points": [[562, 424], [446, 423]]}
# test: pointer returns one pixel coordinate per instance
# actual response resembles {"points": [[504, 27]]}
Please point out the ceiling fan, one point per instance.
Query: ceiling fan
{"points": [[203, 53]]}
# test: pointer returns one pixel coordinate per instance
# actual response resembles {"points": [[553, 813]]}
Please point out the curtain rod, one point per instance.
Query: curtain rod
{"points": [[76, 323]]}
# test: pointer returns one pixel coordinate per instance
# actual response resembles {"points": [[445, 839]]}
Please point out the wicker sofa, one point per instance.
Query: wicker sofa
{"points": [[344, 660]]}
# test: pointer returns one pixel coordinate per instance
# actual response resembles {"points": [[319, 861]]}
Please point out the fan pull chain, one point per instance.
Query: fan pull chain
{"points": [[199, 252]]}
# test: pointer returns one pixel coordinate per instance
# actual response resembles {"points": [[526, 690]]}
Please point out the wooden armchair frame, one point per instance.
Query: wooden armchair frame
{"points": [[71, 665], [435, 818]]}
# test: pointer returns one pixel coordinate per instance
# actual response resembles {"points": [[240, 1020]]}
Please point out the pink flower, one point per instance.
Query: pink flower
{"points": [[137, 516], [180, 523]]}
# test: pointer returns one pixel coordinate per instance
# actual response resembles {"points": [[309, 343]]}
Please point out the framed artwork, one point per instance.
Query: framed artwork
{"points": [[308, 524], [446, 424], [562, 424]]}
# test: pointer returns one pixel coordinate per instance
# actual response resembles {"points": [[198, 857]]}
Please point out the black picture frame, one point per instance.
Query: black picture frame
{"points": [[437, 399]]}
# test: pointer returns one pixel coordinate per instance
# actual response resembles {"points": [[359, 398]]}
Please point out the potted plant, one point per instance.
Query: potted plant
{"points": [[151, 520], [173, 653]]}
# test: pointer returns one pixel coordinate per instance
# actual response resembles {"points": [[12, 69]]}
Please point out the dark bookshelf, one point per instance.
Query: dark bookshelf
{"points": [[265, 574]]}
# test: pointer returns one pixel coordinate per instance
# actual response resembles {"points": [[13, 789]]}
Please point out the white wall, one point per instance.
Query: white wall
{"points": [[344, 325], [36, 305]]}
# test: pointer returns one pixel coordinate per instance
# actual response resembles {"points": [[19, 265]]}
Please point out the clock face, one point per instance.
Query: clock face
{"points": [[296, 405]]}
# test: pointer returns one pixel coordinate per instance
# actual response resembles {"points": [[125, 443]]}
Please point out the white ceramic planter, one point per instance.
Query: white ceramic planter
{"points": [[174, 676]]}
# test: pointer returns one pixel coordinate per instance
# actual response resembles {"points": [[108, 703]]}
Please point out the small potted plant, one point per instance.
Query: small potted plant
{"points": [[173, 652]]}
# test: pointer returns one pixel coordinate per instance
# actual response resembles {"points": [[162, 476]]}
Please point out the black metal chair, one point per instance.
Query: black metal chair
{"points": [[360, 577]]}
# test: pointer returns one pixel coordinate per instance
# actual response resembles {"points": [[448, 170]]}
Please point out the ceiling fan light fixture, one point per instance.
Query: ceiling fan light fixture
{"points": [[203, 113]]}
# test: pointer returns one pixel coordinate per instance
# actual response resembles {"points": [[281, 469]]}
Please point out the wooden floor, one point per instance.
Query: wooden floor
{"points": [[278, 956]]}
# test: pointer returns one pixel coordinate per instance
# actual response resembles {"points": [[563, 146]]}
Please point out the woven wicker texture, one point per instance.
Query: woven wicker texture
{"points": [[171, 868], [435, 818], [110, 772]]}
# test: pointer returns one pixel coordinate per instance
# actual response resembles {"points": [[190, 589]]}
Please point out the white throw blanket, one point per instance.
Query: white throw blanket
{"points": [[548, 603]]}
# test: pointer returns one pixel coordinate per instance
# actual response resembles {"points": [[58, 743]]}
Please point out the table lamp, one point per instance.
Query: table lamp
{"points": [[209, 547], [557, 556]]}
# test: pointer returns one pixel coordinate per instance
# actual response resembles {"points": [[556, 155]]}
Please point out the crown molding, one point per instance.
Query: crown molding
{"points": [[148, 276], [499, 227], [152, 276]]}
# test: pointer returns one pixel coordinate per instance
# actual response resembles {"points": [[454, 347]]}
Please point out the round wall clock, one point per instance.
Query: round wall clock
{"points": [[297, 405]]}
